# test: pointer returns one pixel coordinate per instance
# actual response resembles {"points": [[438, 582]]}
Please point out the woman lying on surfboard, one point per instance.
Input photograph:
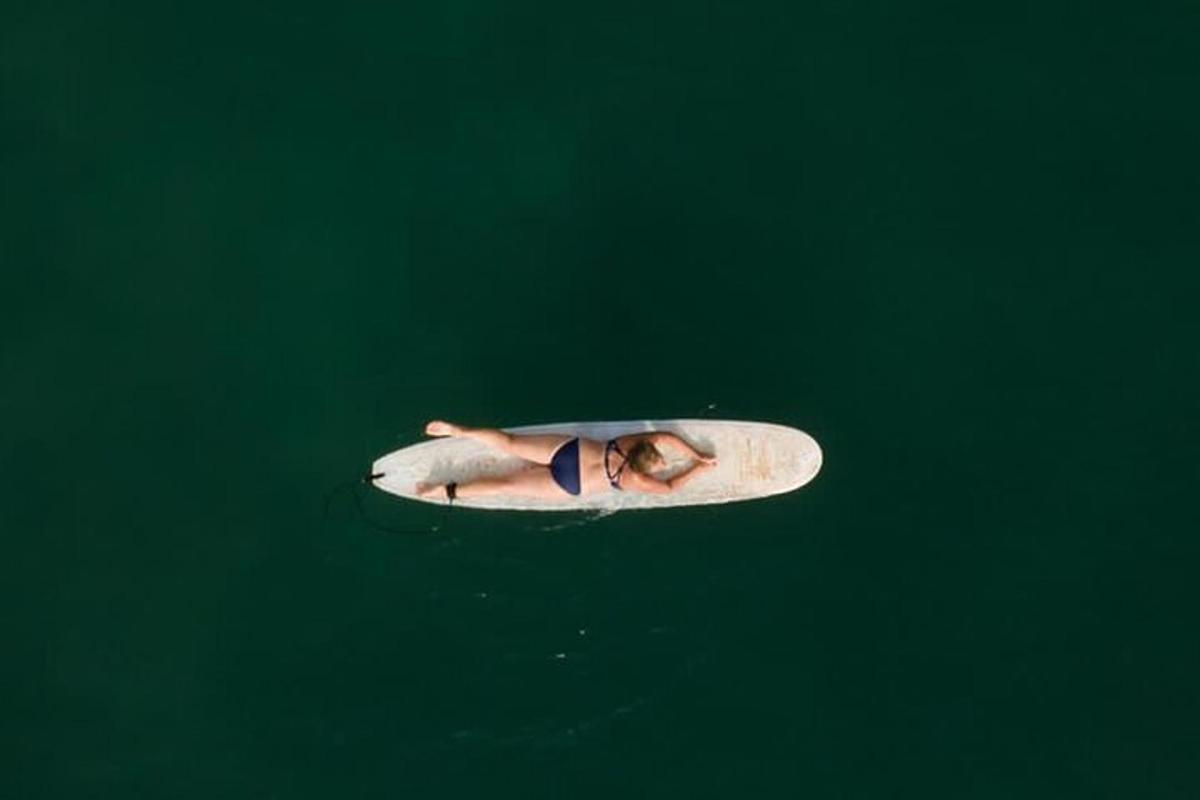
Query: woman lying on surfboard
{"points": [[571, 464]]}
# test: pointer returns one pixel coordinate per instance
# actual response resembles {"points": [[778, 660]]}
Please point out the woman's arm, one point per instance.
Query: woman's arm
{"points": [[678, 481], [670, 439], [648, 483]]}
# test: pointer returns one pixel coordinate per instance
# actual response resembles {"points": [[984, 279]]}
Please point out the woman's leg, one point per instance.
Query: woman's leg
{"points": [[533, 481], [539, 448]]}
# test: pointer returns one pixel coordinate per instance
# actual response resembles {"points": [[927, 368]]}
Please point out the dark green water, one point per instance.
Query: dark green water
{"points": [[245, 251]]}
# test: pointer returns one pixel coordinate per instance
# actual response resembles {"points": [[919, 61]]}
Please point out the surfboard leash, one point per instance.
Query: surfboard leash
{"points": [[355, 488]]}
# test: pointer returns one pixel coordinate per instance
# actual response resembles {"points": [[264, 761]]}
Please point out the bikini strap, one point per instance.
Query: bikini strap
{"points": [[614, 479]]}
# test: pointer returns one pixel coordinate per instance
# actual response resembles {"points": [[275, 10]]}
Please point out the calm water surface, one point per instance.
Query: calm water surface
{"points": [[245, 251]]}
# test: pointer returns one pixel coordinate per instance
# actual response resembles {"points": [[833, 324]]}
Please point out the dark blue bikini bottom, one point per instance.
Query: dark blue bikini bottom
{"points": [[564, 467]]}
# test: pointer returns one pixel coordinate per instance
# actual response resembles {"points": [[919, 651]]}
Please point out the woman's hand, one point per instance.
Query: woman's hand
{"points": [[708, 461]]}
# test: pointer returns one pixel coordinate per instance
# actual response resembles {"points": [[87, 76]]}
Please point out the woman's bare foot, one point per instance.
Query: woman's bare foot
{"points": [[439, 428]]}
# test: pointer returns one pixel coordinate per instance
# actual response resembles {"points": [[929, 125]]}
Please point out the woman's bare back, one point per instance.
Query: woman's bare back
{"points": [[592, 476]]}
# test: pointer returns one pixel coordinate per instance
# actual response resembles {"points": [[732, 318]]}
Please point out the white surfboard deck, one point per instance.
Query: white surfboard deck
{"points": [[754, 459]]}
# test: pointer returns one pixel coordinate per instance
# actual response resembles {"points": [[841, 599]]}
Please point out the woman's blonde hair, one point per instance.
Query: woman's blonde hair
{"points": [[643, 455]]}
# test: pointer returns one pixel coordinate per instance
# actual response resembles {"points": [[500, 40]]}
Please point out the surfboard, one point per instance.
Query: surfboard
{"points": [[754, 460]]}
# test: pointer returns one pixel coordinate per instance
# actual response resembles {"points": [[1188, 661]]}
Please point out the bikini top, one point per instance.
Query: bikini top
{"points": [[614, 478]]}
